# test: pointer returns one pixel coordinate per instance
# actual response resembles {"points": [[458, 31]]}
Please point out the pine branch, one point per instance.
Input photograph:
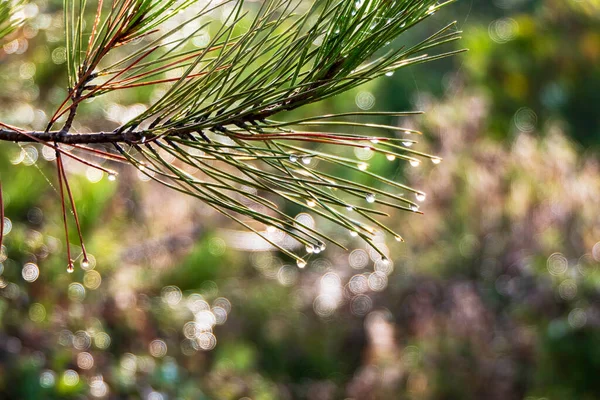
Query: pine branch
{"points": [[69, 138], [217, 116]]}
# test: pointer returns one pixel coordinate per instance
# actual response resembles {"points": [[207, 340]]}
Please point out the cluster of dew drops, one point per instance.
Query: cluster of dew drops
{"points": [[369, 197]]}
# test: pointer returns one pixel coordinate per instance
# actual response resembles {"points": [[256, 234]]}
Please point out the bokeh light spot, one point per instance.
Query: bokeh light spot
{"points": [[158, 348]]}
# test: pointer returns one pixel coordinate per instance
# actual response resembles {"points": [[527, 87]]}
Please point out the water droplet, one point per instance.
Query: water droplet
{"points": [[398, 238], [374, 141], [311, 203], [306, 160], [271, 229], [391, 73], [353, 233], [322, 246], [301, 263], [415, 163], [436, 160], [70, 268], [349, 208], [310, 248], [407, 144], [385, 261], [370, 198], [112, 177], [142, 167], [414, 208], [420, 196], [85, 264], [390, 157], [363, 166], [317, 250], [293, 158]]}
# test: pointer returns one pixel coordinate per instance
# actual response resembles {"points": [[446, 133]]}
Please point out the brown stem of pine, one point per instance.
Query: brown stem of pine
{"points": [[72, 111], [71, 138], [77, 139]]}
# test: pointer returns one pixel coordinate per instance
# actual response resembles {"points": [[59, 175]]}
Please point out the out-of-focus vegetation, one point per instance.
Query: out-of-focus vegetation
{"points": [[495, 294]]}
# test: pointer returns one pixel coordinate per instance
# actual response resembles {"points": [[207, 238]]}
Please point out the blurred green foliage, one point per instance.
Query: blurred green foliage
{"points": [[545, 58], [495, 295]]}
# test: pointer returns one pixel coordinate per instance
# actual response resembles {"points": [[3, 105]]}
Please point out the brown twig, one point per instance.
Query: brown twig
{"points": [[71, 139], [42, 138]]}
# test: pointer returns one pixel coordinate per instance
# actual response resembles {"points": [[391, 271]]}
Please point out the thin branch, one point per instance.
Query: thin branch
{"points": [[71, 138]]}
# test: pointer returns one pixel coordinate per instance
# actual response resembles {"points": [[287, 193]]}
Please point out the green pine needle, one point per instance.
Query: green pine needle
{"points": [[10, 16]]}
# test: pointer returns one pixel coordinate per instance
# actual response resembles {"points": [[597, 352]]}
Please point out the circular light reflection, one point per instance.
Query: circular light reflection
{"points": [[361, 305], [171, 295], [30, 272], [102, 340], [158, 348], [358, 259], [85, 360], [378, 281], [70, 377], [92, 280], [557, 264], [47, 379]]}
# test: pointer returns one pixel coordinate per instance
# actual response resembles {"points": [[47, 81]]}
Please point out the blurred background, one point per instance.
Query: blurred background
{"points": [[494, 295]]}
